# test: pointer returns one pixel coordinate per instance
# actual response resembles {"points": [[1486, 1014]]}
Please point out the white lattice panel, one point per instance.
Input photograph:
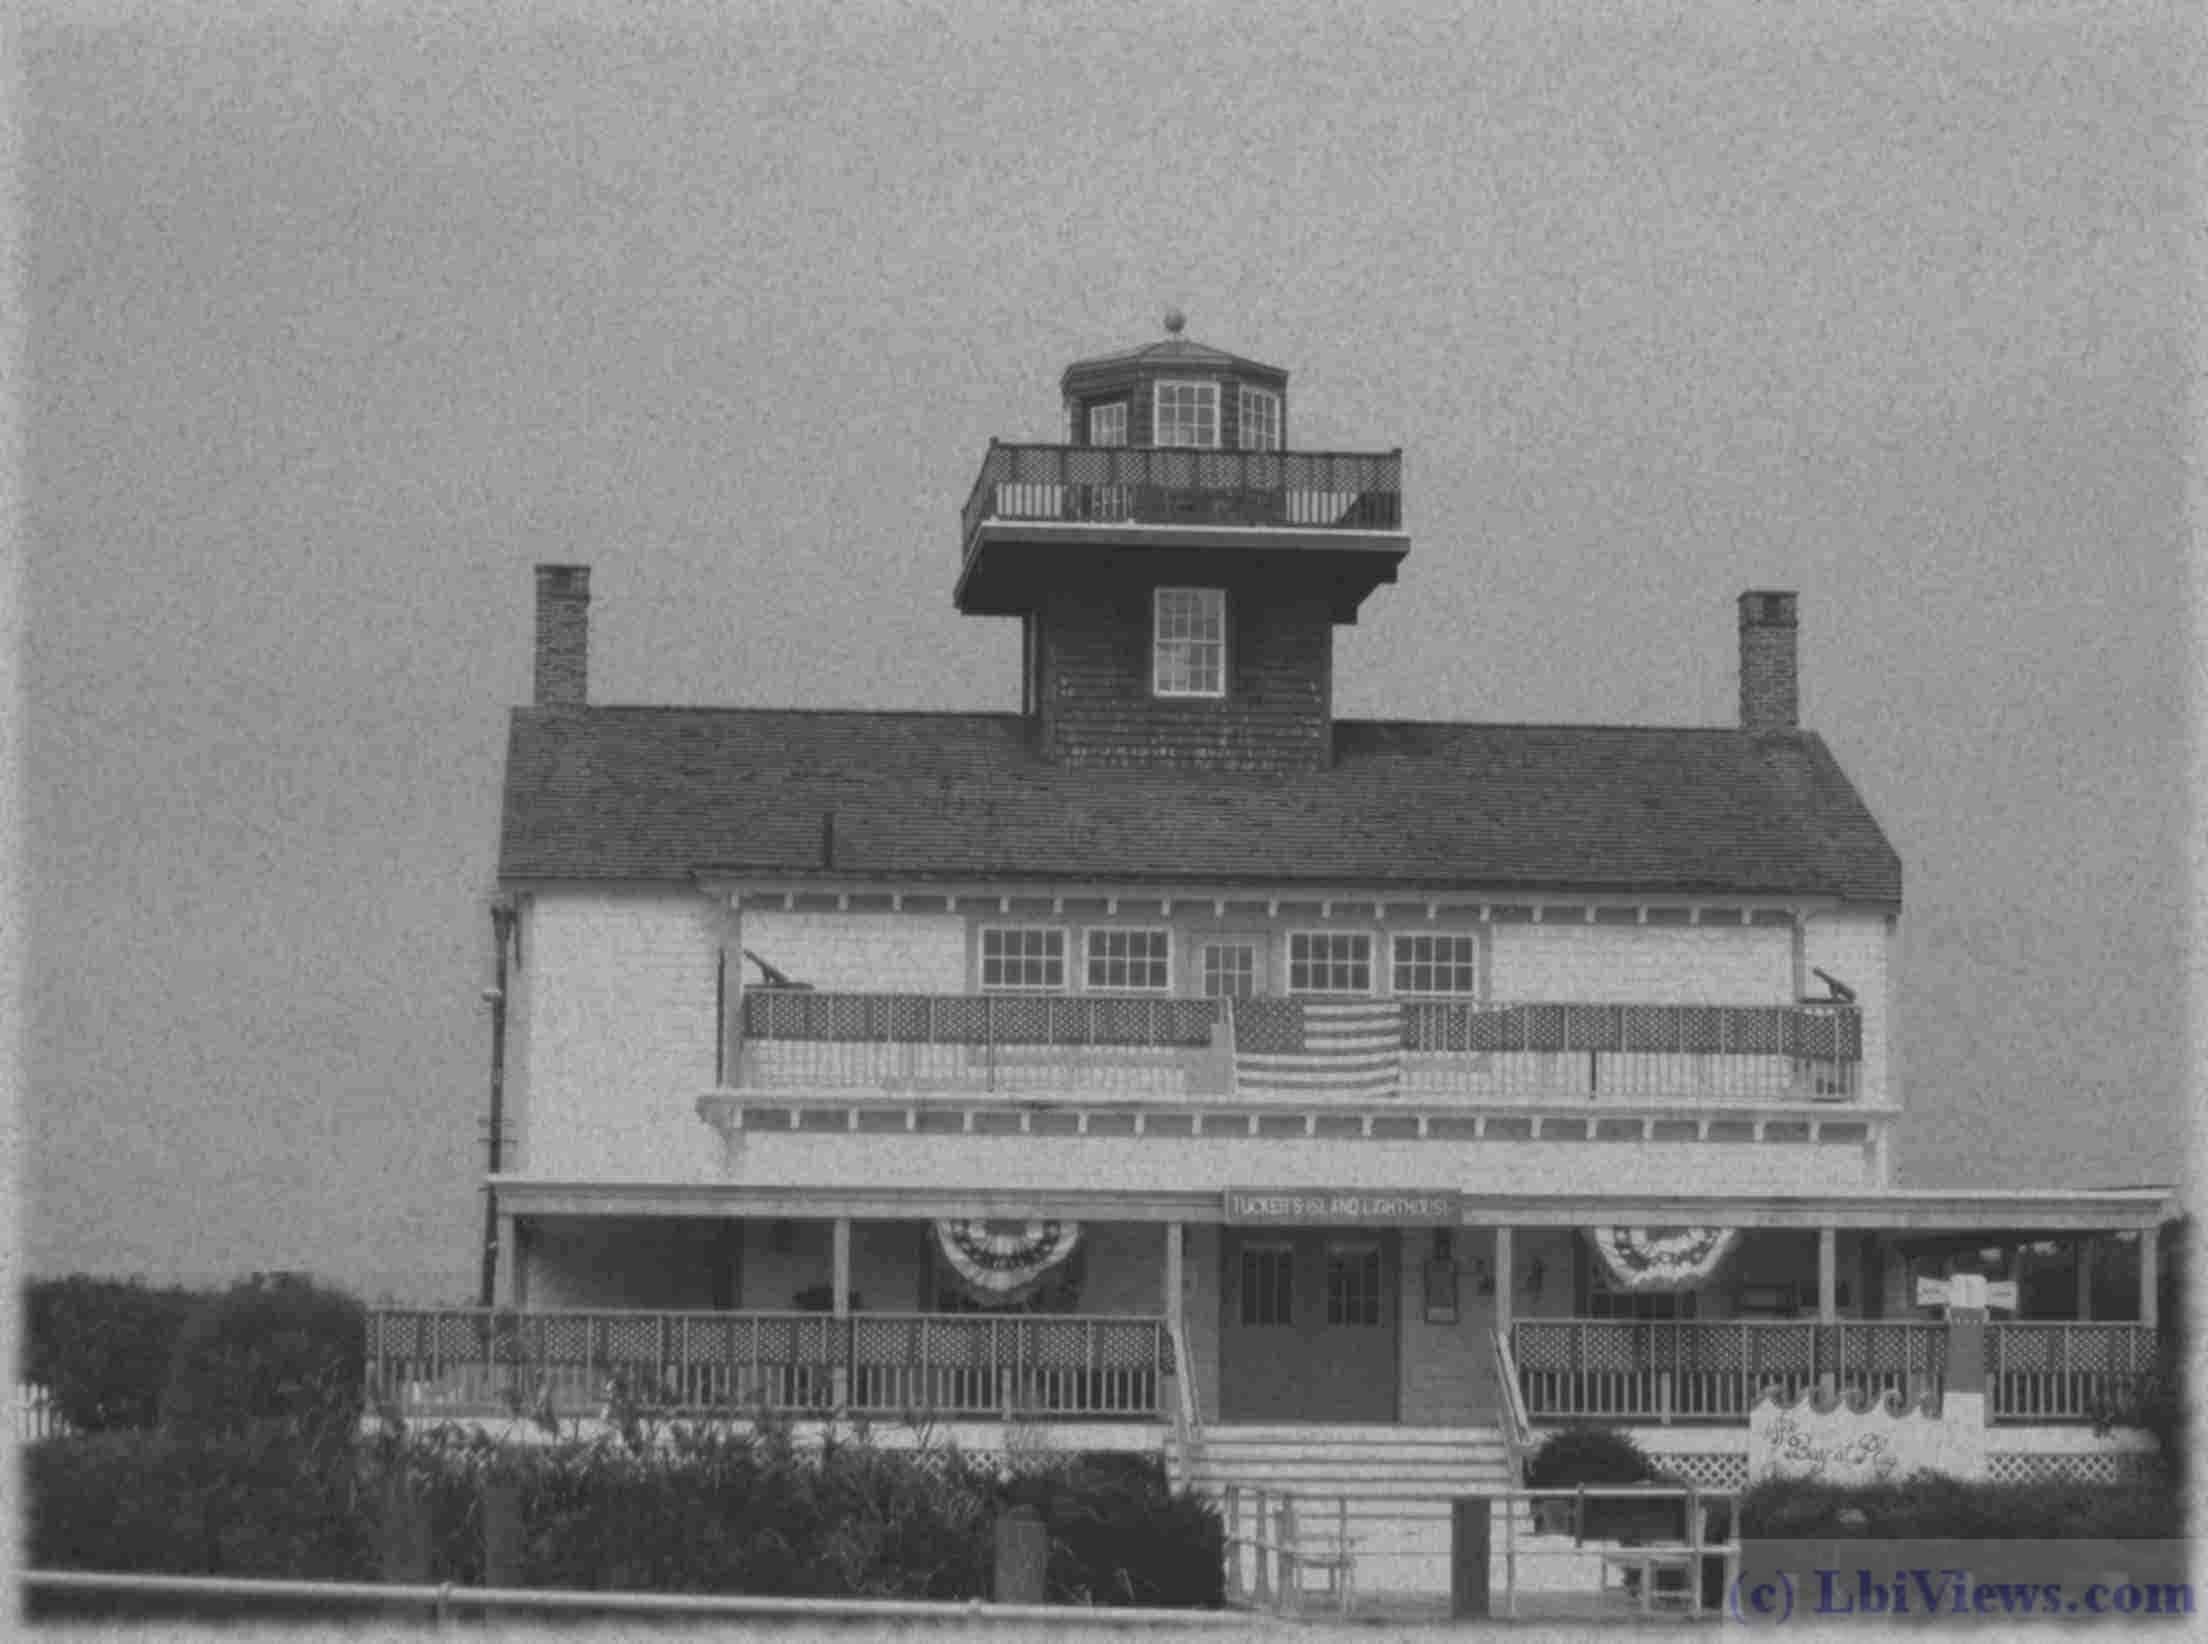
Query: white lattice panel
{"points": [[2016, 1467]]}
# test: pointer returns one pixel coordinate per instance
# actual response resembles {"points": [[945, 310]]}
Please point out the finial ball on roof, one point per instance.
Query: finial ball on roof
{"points": [[1174, 320]]}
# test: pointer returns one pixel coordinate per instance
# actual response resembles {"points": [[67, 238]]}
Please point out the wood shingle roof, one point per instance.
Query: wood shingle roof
{"points": [[658, 794]]}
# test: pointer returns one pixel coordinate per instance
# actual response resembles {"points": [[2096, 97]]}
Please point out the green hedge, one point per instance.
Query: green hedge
{"points": [[1949, 1509], [102, 1347]]}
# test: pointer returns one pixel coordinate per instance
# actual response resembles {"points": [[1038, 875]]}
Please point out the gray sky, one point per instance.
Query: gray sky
{"points": [[336, 327]]}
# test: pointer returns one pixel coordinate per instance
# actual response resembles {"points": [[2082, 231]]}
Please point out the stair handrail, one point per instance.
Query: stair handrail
{"points": [[1188, 1426], [1517, 1429]]}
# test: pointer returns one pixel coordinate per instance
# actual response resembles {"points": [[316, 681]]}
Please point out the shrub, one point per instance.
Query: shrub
{"points": [[278, 1354], [1119, 1535], [152, 1503], [1587, 1454], [101, 1347], [1951, 1509]]}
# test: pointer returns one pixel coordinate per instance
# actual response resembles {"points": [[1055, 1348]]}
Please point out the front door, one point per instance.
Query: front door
{"points": [[1308, 1325]]}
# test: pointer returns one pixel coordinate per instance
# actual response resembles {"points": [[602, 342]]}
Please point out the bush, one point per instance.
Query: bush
{"points": [[280, 1355], [1119, 1535], [151, 1503], [101, 1347], [1951, 1509], [1587, 1454]]}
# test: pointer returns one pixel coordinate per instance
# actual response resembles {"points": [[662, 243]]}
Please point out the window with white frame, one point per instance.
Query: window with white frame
{"points": [[1129, 960], [1329, 961], [1108, 423], [1025, 957], [1230, 970], [1186, 414], [1444, 963], [1260, 420], [1189, 656]]}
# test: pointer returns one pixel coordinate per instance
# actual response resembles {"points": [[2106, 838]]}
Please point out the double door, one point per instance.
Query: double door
{"points": [[1309, 1326]]}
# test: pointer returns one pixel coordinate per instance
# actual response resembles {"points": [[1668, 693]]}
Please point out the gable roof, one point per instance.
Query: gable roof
{"points": [[617, 793]]}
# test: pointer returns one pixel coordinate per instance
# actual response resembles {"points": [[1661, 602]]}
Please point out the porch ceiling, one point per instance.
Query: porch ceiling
{"points": [[2048, 1211]]}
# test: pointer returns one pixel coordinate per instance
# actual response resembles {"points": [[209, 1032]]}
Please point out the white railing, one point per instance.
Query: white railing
{"points": [[1188, 1430], [1712, 1370], [1269, 1550], [2064, 1370], [1518, 1054], [1655, 1539], [470, 1361], [34, 1415], [1716, 1370], [1517, 1429]]}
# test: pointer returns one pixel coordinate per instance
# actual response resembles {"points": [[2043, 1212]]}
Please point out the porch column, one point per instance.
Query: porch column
{"points": [[2084, 1247], [1173, 1269], [513, 1260], [2150, 1277], [1828, 1275], [839, 1301], [1506, 1272]]}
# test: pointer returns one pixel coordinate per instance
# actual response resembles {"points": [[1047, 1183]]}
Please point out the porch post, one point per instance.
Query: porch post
{"points": [[1506, 1269], [513, 1256], [2150, 1277], [839, 1301], [1828, 1275], [1173, 1259], [2084, 1247]]}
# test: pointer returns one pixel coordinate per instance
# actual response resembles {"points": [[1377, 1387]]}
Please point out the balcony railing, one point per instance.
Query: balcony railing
{"points": [[1715, 1370], [1140, 485], [1520, 1053], [469, 1361]]}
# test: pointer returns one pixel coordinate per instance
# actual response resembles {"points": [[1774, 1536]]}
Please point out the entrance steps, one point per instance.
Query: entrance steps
{"points": [[1393, 1485]]}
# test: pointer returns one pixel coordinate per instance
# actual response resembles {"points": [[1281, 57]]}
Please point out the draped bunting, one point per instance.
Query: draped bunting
{"points": [[1003, 1263], [1662, 1258]]}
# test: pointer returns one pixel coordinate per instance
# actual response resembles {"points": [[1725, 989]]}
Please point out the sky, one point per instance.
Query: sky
{"points": [[337, 319]]}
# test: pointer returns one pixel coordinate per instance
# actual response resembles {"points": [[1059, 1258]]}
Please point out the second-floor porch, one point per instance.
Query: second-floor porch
{"points": [[1432, 1052]]}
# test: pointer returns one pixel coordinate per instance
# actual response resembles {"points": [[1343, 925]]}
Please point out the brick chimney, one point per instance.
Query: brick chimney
{"points": [[563, 636], [1770, 690]]}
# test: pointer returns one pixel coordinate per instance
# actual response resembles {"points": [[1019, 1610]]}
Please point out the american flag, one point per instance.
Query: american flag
{"points": [[1318, 1047]]}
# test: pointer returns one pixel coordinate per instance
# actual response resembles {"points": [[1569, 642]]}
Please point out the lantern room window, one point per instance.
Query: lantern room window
{"points": [[1187, 415], [1260, 409], [1108, 423], [1189, 656]]}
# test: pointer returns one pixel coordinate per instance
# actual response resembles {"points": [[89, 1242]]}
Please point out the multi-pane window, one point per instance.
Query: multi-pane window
{"points": [[1023, 956], [1260, 429], [1190, 655], [1230, 970], [1187, 415], [1108, 423], [1352, 1284], [1126, 960], [1329, 961], [1268, 1284], [1437, 964]]}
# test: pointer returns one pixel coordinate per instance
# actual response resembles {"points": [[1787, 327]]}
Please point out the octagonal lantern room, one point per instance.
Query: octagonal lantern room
{"points": [[1176, 469]]}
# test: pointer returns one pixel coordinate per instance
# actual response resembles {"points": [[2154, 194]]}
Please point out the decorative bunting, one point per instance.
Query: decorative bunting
{"points": [[1001, 1264], [1666, 1258]]}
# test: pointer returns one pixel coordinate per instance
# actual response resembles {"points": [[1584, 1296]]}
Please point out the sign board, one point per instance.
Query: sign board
{"points": [[1972, 1291], [1882, 1444], [1343, 1207]]}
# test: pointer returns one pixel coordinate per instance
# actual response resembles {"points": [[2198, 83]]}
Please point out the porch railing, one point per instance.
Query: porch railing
{"points": [[2063, 1371], [1712, 1370], [466, 1361], [1140, 485], [1516, 1429], [1715, 1370], [1532, 1053]]}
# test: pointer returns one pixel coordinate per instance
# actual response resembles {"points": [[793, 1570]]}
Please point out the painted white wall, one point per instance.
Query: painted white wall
{"points": [[862, 952], [959, 1165], [621, 1035], [1644, 964]]}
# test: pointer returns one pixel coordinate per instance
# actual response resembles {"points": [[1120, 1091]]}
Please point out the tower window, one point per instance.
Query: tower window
{"points": [[1260, 408], [1187, 414], [1108, 423], [1190, 654]]}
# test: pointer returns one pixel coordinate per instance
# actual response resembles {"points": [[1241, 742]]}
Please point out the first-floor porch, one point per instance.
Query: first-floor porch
{"points": [[1404, 1310]]}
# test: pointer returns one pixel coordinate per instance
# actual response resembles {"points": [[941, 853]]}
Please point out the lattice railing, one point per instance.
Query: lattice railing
{"points": [[570, 1363], [1713, 1370]]}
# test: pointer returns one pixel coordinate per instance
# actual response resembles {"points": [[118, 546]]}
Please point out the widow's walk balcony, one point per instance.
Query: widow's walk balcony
{"points": [[1336, 514]]}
